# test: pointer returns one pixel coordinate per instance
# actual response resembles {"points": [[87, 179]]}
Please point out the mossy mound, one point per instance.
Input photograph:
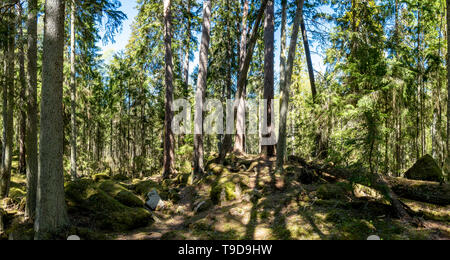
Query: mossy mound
{"points": [[100, 177], [333, 191], [86, 199], [120, 177], [142, 188], [121, 194], [22, 231], [425, 169], [224, 190]]}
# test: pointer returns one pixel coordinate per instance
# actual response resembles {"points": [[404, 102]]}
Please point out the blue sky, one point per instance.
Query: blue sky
{"points": [[129, 8]]}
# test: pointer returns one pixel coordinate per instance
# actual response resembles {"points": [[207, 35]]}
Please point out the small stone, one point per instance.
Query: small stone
{"points": [[154, 201]]}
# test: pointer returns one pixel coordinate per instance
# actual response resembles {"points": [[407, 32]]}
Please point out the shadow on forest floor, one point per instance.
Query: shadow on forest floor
{"points": [[246, 199]]}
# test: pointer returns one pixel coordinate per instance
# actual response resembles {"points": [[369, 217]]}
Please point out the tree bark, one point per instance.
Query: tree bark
{"points": [[269, 76], [199, 167], [243, 74], [169, 141], [51, 213], [73, 95], [281, 147], [448, 88], [239, 141], [8, 109], [31, 136], [188, 49], [23, 88]]}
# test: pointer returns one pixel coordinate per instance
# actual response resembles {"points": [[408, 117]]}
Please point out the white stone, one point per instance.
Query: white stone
{"points": [[154, 201]]}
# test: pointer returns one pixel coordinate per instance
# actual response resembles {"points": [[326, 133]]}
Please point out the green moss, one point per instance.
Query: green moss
{"points": [[184, 179], [86, 199], [120, 177], [142, 188], [17, 195], [332, 191], [121, 194], [226, 187], [100, 177], [20, 231], [173, 235], [426, 169], [186, 167]]}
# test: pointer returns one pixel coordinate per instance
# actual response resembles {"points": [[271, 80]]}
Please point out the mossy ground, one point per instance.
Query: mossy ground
{"points": [[250, 202]]}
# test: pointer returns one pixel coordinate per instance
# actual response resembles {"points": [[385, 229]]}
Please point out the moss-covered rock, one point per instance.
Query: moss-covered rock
{"points": [[21, 231], [121, 194], [142, 188], [332, 191], [184, 179], [86, 199], [101, 176], [425, 169], [120, 177], [224, 190]]}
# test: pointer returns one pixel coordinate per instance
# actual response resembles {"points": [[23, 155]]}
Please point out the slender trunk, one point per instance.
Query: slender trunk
{"points": [[283, 43], [73, 95], [51, 213], [23, 88], [243, 74], [448, 87], [32, 109], [281, 148], [8, 108], [188, 45], [269, 82], [201, 89], [239, 142], [169, 142]]}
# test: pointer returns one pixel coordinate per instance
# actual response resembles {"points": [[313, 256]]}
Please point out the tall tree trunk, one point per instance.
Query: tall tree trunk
{"points": [[448, 88], [32, 109], [281, 148], [243, 74], [239, 141], [73, 95], [169, 141], [51, 213], [23, 88], [188, 49], [201, 89], [283, 42], [8, 109], [269, 81]]}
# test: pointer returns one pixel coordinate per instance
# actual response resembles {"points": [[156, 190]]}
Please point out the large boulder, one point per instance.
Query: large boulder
{"points": [[121, 194], [86, 201], [425, 169]]}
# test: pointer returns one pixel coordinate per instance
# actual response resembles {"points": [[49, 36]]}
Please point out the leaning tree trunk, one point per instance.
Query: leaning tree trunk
{"points": [[169, 141], [269, 77], [199, 167], [285, 88], [51, 213], [73, 95], [31, 136], [8, 109], [320, 149]]}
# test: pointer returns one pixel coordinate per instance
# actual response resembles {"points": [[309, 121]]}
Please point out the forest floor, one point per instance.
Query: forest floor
{"points": [[246, 199]]}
